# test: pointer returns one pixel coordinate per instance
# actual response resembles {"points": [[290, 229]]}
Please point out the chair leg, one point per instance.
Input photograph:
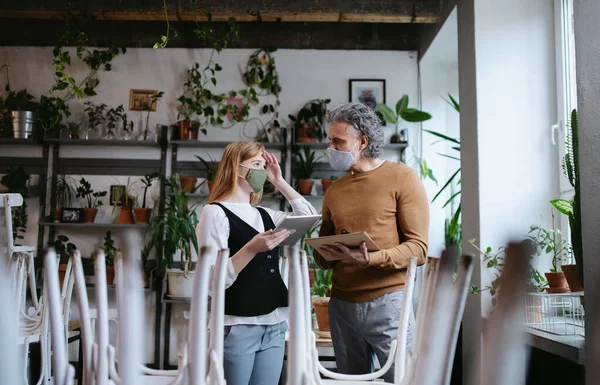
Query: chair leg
{"points": [[80, 360]]}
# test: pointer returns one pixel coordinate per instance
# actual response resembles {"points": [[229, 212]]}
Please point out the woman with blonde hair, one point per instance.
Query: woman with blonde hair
{"points": [[256, 296]]}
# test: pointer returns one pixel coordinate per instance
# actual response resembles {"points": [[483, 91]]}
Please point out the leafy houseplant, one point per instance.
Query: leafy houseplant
{"points": [[402, 112], [210, 168], [305, 167], [110, 252], [113, 116], [154, 98], [73, 130], [66, 191], [15, 180], [64, 249], [174, 231], [92, 199], [188, 128], [124, 196], [572, 208], [96, 118], [14, 101], [143, 213], [320, 300], [309, 123]]}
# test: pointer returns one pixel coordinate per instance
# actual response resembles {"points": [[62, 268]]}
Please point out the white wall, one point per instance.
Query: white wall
{"points": [[439, 77], [304, 75]]}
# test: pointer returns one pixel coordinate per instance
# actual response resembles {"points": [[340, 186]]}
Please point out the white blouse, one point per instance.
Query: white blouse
{"points": [[213, 230]]}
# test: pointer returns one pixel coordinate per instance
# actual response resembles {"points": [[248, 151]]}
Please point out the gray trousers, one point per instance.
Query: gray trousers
{"points": [[365, 330]]}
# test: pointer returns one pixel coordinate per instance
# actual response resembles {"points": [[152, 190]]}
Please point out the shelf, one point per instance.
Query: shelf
{"points": [[96, 225], [323, 145], [21, 142], [103, 142], [203, 144]]}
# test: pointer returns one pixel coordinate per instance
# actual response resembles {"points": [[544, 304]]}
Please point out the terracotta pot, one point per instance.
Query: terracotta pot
{"points": [[210, 186], [572, 276], [110, 275], [304, 135], [326, 183], [56, 215], [557, 283], [194, 128], [125, 217], [188, 183], [89, 215], [188, 129], [311, 276], [305, 186], [321, 306], [145, 279], [62, 269], [142, 215]]}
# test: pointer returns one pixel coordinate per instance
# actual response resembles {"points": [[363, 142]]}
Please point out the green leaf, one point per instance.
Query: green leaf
{"points": [[415, 116], [387, 113], [451, 199], [445, 137], [402, 105], [563, 206], [445, 185], [214, 81]]}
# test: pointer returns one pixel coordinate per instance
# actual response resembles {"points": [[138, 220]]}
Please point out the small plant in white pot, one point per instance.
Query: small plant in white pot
{"points": [[174, 236]]}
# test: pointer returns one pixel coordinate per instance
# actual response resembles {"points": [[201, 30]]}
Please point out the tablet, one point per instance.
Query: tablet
{"points": [[350, 240], [297, 225]]}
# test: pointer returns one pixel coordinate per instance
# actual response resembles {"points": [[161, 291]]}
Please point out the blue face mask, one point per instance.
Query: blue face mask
{"points": [[341, 160]]}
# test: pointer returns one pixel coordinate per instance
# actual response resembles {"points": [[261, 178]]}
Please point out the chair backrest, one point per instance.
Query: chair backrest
{"points": [[9, 351], [504, 354], [87, 339], [217, 315], [297, 369], [63, 371], [101, 372], [7, 201]]}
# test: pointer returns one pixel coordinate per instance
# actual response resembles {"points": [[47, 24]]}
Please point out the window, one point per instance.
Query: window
{"points": [[566, 91]]}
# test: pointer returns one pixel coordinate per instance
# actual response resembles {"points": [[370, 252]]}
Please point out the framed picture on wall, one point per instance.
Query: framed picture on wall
{"points": [[71, 215], [116, 194], [369, 92], [141, 100]]}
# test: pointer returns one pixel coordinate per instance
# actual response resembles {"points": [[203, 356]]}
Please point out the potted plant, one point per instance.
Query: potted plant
{"points": [[147, 134], [143, 213], [66, 191], [402, 112], [304, 169], [327, 182], [19, 102], [321, 293], [16, 180], [572, 208], [73, 130], [125, 197], [210, 169], [551, 241], [188, 128], [64, 249], [310, 121], [309, 251], [92, 199], [174, 235], [110, 251], [96, 119], [113, 116]]}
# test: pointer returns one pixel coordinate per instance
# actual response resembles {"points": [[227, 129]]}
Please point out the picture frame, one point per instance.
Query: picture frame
{"points": [[237, 107], [369, 92], [139, 100], [116, 192], [71, 215]]}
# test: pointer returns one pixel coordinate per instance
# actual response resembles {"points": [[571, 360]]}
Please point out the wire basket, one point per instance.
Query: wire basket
{"points": [[560, 314]]}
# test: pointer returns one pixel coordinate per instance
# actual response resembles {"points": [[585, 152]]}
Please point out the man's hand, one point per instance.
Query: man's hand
{"points": [[339, 251]]}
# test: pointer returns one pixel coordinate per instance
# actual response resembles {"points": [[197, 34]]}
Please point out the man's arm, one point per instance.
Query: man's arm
{"points": [[413, 219], [327, 228]]}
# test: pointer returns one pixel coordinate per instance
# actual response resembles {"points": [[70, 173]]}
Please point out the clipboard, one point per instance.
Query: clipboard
{"points": [[350, 240]]}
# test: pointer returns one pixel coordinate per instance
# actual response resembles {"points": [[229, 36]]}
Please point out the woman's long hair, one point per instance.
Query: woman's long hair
{"points": [[226, 180]]}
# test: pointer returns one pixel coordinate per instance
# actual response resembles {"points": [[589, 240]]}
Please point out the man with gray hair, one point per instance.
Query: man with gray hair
{"points": [[388, 201]]}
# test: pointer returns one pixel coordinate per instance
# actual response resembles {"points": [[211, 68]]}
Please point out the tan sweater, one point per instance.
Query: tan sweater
{"points": [[390, 204]]}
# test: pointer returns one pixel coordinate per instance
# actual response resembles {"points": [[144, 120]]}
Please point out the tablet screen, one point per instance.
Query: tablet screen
{"points": [[297, 226]]}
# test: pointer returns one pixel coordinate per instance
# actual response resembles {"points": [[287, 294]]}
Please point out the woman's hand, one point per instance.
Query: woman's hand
{"points": [[266, 241], [272, 167]]}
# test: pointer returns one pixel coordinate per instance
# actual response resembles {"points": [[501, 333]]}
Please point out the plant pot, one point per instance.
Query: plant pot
{"points": [[89, 215], [22, 123], [145, 282], [194, 128], [557, 283], [395, 139], [305, 186], [311, 276], [188, 183], [178, 285], [125, 217], [304, 135], [210, 186], [326, 183], [142, 215], [321, 306], [188, 129], [572, 276], [110, 275], [56, 215], [62, 269]]}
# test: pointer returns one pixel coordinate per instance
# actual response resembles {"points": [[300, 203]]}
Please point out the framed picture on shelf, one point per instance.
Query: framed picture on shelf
{"points": [[141, 100], [116, 193], [369, 92], [71, 215]]}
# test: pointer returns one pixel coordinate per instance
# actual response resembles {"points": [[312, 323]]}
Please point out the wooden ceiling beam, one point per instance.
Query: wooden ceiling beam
{"points": [[425, 17]]}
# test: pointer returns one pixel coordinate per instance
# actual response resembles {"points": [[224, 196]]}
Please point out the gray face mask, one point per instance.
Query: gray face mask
{"points": [[341, 160]]}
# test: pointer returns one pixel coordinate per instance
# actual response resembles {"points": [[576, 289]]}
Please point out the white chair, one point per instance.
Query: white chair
{"points": [[216, 374], [9, 349]]}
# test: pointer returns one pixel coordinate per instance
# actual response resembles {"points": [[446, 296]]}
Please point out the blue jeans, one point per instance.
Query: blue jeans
{"points": [[253, 354], [361, 331]]}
